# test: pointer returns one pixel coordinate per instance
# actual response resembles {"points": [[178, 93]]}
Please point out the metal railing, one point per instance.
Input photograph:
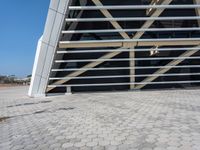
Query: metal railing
{"points": [[131, 41]]}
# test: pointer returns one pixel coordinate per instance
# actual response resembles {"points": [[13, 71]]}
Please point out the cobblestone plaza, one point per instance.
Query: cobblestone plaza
{"points": [[158, 120]]}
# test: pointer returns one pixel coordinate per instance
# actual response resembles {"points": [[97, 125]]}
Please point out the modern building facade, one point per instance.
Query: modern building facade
{"points": [[101, 45]]}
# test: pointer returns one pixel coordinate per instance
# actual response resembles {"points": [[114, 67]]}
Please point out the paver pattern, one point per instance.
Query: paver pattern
{"points": [[148, 120]]}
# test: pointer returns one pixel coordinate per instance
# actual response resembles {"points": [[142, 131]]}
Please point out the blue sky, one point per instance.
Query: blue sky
{"points": [[21, 25]]}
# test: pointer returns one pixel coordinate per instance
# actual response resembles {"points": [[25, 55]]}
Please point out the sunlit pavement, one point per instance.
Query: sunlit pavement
{"points": [[155, 120]]}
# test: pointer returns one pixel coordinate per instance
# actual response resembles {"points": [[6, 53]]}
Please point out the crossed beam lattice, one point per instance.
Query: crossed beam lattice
{"points": [[138, 35]]}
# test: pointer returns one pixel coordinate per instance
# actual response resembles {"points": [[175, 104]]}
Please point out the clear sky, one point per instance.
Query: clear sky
{"points": [[21, 25]]}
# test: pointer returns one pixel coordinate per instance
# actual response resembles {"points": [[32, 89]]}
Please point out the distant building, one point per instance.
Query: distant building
{"points": [[101, 45], [23, 81], [14, 80], [7, 79]]}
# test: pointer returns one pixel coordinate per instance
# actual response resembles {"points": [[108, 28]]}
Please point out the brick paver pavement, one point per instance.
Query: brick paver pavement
{"points": [[153, 120]]}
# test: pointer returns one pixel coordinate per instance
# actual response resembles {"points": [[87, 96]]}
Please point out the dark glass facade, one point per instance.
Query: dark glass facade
{"points": [[159, 46]]}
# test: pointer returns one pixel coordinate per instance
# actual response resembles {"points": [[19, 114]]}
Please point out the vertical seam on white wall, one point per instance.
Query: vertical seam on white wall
{"points": [[47, 51]]}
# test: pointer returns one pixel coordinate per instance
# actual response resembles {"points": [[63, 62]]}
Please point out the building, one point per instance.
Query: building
{"points": [[101, 45]]}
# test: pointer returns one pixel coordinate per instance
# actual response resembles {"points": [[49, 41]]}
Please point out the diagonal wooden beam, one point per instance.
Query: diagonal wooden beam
{"points": [[139, 34], [107, 14], [150, 11], [174, 62], [197, 10], [156, 13], [147, 24], [162, 71], [116, 25]]}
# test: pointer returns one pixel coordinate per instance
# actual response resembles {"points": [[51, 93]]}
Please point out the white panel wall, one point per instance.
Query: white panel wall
{"points": [[46, 48]]}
